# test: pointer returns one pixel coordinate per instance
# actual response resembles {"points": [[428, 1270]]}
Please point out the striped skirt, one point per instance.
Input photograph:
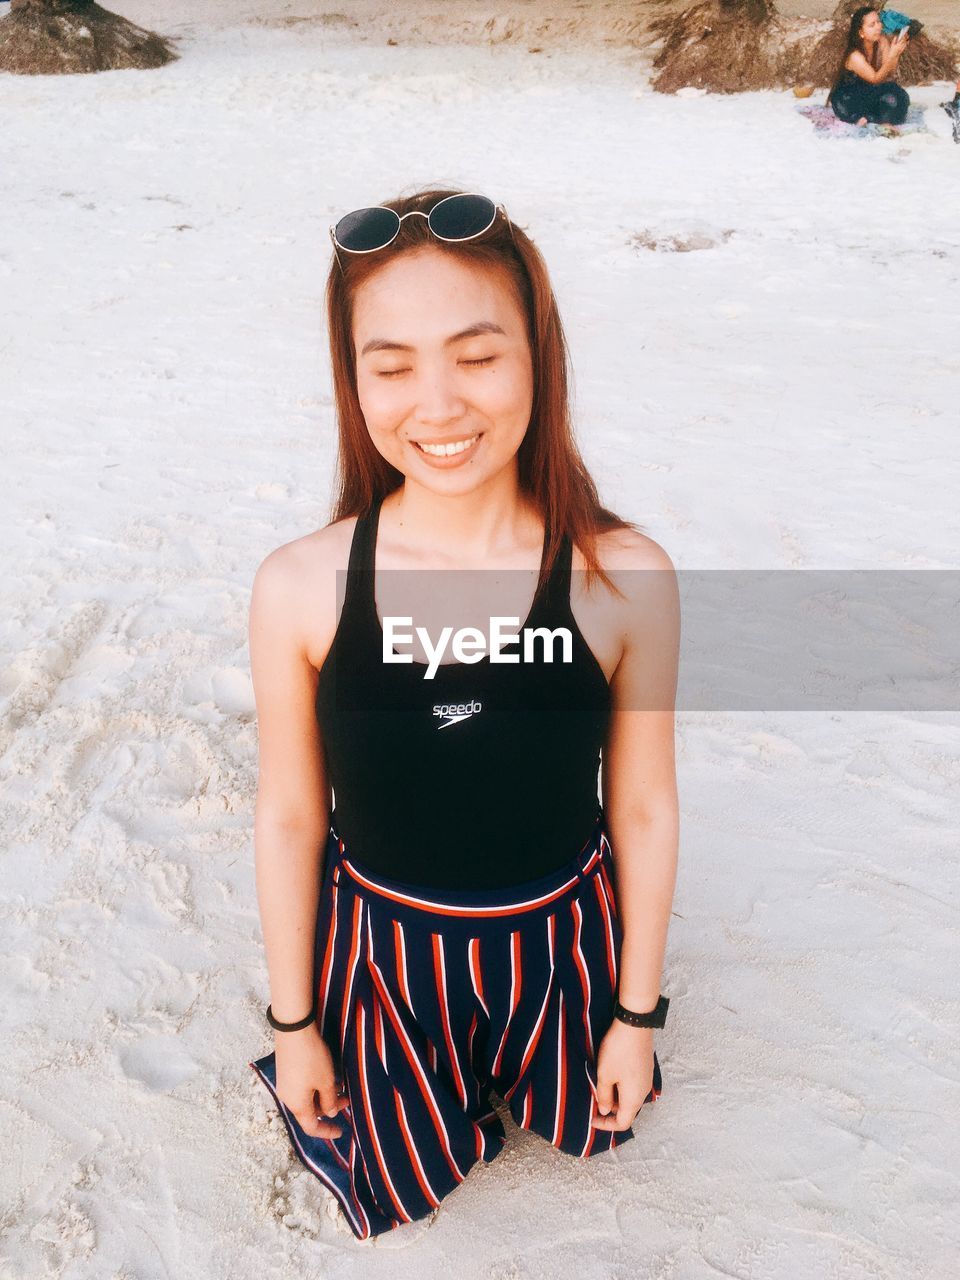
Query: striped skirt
{"points": [[429, 999]]}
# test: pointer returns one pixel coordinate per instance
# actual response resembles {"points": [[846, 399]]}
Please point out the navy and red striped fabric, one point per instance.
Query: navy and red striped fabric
{"points": [[430, 999]]}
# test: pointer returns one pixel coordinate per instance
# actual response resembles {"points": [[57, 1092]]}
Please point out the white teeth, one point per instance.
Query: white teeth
{"points": [[445, 450]]}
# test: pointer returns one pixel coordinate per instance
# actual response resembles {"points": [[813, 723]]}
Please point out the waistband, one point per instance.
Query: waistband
{"points": [[527, 896]]}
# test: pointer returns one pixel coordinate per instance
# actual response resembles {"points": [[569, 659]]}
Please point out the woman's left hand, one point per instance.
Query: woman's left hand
{"points": [[624, 1064]]}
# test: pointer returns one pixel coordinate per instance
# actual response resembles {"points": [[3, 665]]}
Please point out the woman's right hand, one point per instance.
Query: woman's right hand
{"points": [[306, 1073]]}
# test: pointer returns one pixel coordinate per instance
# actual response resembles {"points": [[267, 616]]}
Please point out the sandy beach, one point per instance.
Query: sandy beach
{"points": [[782, 394]]}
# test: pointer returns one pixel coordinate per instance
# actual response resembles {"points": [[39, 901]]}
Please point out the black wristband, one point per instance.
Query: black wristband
{"points": [[654, 1018], [291, 1026]]}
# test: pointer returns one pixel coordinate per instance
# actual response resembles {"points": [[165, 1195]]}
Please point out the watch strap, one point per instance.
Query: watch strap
{"points": [[655, 1017]]}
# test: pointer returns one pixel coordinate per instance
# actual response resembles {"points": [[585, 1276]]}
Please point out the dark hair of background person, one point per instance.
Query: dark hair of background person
{"points": [[856, 42]]}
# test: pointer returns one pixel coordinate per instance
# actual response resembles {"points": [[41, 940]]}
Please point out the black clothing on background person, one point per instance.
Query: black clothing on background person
{"points": [[854, 99]]}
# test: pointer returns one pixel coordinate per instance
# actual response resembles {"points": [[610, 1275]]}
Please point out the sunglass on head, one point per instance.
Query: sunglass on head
{"points": [[463, 216]]}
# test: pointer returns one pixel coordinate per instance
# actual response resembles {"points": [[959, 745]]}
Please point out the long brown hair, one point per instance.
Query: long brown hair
{"points": [[855, 43], [551, 471]]}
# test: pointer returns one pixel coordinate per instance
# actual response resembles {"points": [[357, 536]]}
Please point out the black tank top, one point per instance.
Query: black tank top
{"points": [[482, 777]]}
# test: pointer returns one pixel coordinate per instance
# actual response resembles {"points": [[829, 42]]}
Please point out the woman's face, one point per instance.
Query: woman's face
{"points": [[871, 27], [442, 359]]}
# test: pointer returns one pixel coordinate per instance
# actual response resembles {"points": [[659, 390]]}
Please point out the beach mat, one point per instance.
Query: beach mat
{"points": [[830, 126]]}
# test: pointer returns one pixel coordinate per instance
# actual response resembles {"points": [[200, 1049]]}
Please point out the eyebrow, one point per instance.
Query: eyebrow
{"points": [[385, 344]]}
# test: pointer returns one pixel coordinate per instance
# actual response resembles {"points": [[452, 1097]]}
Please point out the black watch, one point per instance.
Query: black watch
{"points": [[656, 1017]]}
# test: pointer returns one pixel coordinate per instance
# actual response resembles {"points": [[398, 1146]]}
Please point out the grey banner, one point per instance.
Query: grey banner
{"points": [[748, 640]]}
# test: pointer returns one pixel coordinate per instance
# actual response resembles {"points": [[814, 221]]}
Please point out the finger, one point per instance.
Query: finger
{"points": [[616, 1120], [611, 1121], [316, 1125], [324, 1120], [343, 1097], [623, 1113], [328, 1100], [628, 1110], [606, 1100], [606, 1104]]}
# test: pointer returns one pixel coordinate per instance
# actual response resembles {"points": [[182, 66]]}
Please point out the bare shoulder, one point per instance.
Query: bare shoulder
{"points": [[319, 552], [644, 575], [295, 587], [639, 611], [621, 550], [628, 557]]}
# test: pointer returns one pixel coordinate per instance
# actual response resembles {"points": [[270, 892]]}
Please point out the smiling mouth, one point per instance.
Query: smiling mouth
{"points": [[449, 449]]}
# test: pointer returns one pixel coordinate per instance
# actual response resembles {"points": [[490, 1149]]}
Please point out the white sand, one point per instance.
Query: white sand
{"points": [[786, 398]]}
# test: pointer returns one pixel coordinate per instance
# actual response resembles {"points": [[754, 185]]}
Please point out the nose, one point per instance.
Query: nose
{"points": [[438, 401]]}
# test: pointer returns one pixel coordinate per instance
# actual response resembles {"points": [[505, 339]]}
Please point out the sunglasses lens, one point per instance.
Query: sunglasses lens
{"points": [[367, 229], [461, 216]]}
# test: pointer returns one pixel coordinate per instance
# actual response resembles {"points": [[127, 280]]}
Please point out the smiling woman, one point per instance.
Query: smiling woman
{"points": [[472, 385], [481, 922]]}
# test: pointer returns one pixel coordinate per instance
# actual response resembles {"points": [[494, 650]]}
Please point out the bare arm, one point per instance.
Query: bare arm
{"points": [[293, 794], [639, 774], [892, 51], [641, 811]]}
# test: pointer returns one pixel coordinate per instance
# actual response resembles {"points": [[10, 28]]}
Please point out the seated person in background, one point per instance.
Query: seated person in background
{"points": [[864, 91], [953, 111]]}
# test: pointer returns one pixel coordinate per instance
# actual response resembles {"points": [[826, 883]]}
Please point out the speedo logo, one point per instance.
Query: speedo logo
{"points": [[453, 712]]}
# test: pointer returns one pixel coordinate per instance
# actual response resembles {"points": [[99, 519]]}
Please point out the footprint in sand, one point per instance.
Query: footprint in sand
{"points": [[158, 1062], [679, 242]]}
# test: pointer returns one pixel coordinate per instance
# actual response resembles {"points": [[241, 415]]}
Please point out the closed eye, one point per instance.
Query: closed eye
{"points": [[393, 373]]}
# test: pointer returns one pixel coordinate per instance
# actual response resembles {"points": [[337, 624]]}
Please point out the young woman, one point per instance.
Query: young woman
{"points": [[480, 922], [864, 91]]}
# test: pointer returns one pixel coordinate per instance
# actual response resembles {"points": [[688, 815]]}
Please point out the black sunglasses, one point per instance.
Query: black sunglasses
{"points": [[463, 216]]}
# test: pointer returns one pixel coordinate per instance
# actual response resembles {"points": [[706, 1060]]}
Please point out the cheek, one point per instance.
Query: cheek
{"points": [[378, 400], [509, 392]]}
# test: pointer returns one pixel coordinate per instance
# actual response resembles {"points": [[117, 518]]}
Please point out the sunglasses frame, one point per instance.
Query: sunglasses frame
{"points": [[497, 208]]}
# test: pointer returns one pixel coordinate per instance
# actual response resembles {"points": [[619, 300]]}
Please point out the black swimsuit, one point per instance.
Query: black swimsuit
{"points": [[481, 777], [854, 99]]}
